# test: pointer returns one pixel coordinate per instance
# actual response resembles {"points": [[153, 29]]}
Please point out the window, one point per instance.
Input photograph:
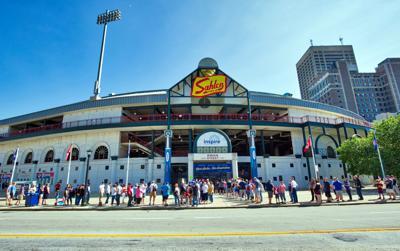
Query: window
{"points": [[49, 156], [340, 165], [76, 168], [10, 159], [51, 169], [120, 181], [107, 167], [62, 169], [28, 158], [305, 177], [320, 177], [101, 153], [259, 165], [329, 165], [331, 177], [121, 167], [280, 178], [158, 166], [275, 179], [105, 181], [158, 180], [75, 154], [319, 165], [342, 177], [273, 165], [141, 166], [141, 180], [304, 165], [330, 152], [74, 181], [291, 165]]}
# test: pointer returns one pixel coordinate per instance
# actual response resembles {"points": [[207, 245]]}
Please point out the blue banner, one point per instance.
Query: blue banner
{"points": [[212, 167], [167, 167], [253, 162]]}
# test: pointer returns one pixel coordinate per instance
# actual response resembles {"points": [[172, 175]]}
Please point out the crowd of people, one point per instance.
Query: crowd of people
{"points": [[201, 191]]}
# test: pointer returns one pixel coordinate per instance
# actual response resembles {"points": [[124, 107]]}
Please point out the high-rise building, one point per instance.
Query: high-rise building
{"points": [[329, 74]]}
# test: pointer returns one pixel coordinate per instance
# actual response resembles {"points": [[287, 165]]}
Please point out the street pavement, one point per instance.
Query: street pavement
{"points": [[354, 227]]}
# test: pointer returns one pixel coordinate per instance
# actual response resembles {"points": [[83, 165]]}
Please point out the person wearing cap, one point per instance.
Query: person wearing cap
{"points": [[153, 192]]}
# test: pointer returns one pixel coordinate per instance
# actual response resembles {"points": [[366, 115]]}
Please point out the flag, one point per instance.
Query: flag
{"points": [[15, 154], [69, 152], [308, 145], [375, 143]]}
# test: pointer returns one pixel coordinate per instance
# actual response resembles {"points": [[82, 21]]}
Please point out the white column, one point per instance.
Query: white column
{"points": [[235, 170], [190, 167], [149, 170]]}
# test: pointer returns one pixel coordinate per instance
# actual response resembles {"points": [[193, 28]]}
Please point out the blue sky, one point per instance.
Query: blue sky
{"points": [[50, 49]]}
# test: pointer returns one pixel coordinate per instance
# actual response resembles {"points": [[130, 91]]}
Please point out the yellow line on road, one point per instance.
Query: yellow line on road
{"points": [[193, 235]]}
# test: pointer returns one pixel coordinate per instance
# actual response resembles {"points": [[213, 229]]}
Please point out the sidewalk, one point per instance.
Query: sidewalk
{"points": [[220, 202]]}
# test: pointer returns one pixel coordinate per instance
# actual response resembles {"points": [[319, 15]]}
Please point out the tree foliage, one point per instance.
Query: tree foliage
{"points": [[361, 157]]}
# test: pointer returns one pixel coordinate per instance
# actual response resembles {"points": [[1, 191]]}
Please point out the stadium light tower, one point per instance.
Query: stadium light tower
{"points": [[104, 18]]}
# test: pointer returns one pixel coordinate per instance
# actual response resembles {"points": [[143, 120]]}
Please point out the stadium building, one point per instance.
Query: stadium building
{"points": [[207, 125]]}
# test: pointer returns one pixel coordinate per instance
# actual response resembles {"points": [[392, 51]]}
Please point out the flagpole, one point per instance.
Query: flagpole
{"points": [[15, 163], [69, 165], [127, 164], [379, 155], [315, 162]]}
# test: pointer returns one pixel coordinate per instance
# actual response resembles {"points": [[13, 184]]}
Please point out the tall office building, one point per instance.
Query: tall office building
{"points": [[329, 74]]}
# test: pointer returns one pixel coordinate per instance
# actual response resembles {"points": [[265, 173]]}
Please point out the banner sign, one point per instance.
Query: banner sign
{"points": [[212, 167], [45, 175], [212, 156], [206, 86]]}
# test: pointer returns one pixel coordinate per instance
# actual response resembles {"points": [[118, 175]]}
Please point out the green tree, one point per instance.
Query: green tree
{"points": [[361, 156]]}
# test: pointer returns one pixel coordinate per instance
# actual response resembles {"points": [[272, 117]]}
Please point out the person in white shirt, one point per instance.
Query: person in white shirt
{"points": [[204, 190], [153, 192], [101, 193], [143, 188], [293, 185], [108, 192], [118, 195]]}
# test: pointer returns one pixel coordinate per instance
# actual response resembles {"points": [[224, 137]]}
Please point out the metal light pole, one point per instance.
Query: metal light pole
{"points": [[104, 18], [89, 153]]}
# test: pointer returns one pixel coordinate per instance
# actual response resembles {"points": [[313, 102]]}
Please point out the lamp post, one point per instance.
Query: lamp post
{"points": [[104, 18], [89, 153]]}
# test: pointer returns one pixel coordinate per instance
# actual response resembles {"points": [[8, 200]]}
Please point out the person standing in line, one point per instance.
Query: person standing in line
{"points": [[68, 195], [327, 190], [20, 195], [270, 190], [57, 188], [129, 192], [395, 186], [108, 192], [153, 192], [124, 193], [177, 195], [165, 190], [211, 192], [119, 194], [379, 187], [143, 188], [87, 194], [290, 191], [294, 186], [204, 193], [46, 192], [11, 191], [196, 194], [312, 188], [389, 188], [338, 185], [347, 186], [101, 193], [359, 186], [317, 193], [113, 194], [281, 191]]}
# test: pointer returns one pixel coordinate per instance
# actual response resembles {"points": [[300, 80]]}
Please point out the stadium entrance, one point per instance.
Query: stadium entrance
{"points": [[212, 158]]}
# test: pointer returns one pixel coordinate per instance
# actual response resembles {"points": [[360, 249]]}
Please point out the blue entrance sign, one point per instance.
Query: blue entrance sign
{"points": [[212, 167]]}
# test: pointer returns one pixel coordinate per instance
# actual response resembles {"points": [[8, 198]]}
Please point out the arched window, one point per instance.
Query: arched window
{"points": [[49, 156], [75, 154], [330, 152], [10, 159], [28, 158], [101, 153]]}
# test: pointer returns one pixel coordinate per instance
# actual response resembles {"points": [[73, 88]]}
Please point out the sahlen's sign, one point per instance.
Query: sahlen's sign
{"points": [[206, 86]]}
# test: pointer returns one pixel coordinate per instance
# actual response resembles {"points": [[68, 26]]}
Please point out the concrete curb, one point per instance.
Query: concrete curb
{"points": [[155, 208]]}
